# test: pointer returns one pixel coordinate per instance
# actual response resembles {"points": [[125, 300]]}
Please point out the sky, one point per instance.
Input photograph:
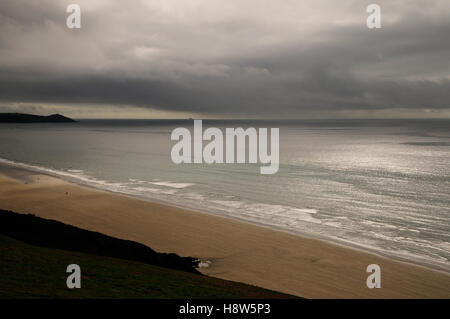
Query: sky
{"points": [[226, 59]]}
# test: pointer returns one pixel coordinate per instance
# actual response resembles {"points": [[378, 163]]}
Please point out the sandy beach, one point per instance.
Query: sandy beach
{"points": [[238, 251]]}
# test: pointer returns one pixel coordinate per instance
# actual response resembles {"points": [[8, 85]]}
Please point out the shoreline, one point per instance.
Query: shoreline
{"points": [[77, 180], [238, 250]]}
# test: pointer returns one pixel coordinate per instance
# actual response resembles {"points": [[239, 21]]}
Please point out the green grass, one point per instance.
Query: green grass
{"points": [[28, 271]]}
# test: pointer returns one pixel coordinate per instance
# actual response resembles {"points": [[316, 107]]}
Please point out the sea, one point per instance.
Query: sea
{"points": [[377, 185]]}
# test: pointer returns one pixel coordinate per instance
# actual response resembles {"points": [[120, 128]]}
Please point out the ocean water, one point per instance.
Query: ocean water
{"points": [[378, 185]]}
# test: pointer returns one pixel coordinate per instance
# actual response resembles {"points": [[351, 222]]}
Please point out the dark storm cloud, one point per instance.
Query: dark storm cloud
{"points": [[227, 59]]}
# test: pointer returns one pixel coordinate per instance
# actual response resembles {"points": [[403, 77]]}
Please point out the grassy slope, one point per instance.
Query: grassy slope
{"points": [[53, 234], [28, 271]]}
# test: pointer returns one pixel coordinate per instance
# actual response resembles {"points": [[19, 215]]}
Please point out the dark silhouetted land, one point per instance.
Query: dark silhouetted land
{"points": [[30, 118]]}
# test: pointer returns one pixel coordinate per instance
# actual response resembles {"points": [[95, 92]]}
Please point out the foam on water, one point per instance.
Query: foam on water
{"points": [[172, 184]]}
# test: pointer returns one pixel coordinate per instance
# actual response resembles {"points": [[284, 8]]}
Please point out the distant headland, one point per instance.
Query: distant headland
{"points": [[30, 118]]}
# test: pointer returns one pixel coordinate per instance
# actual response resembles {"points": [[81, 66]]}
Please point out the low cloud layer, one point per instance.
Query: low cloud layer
{"points": [[228, 58]]}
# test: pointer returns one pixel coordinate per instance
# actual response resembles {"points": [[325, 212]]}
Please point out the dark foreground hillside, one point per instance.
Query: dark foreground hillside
{"points": [[53, 234], [31, 271]]}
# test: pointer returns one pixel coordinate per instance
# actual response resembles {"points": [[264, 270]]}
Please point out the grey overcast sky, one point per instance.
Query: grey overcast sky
{"points": [[234, 58]]}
